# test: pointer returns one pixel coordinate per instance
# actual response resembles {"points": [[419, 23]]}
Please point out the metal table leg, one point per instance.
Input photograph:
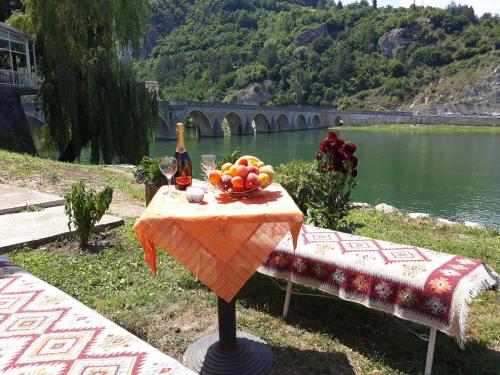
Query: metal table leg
{"points": [[228, 351], [430, 351]]}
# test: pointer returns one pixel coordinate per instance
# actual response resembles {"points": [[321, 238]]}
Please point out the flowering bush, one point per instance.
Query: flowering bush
{"points": [[322, 189], [336, 162]]}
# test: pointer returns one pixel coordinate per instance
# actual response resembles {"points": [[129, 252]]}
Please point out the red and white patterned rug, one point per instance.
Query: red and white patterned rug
{"points": [[416, 284], [45, 331]]}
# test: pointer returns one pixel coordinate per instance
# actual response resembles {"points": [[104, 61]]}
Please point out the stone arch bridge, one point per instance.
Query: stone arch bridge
{"points": [[208, 118], [239, 119]]}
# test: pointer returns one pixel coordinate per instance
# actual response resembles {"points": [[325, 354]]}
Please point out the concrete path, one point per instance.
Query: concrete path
{"points": [[15, 199], [41, 227]]}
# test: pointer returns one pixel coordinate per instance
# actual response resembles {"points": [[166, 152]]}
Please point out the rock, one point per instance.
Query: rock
{"points": [[256, 93], [418, 215], [382, 207], [400, 37], [445, 221], [472, 224], [393, 39], [311, 35], [359, 205]]}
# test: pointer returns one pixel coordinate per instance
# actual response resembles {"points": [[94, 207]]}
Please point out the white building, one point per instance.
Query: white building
{"points": [[17, 61]]}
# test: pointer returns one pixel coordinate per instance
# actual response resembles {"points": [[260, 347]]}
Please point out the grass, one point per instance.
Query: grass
{"points": [[407, 128], [321, 336], [27, 170]]}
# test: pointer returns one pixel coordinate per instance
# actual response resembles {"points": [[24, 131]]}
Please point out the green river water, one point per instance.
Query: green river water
{"points": [[451, 175]]}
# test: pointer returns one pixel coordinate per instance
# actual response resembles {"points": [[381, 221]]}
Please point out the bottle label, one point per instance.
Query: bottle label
{"points": [[183, 180]]}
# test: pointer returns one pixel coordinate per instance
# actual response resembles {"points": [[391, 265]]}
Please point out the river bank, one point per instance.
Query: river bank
{"points": [[410, 128]]}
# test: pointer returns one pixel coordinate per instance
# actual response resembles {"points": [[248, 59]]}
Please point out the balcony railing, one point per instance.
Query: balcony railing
{"points": [[18, 79]]}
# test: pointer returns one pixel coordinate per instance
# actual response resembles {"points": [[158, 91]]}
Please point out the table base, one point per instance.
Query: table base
{"points": [[252, 356]]}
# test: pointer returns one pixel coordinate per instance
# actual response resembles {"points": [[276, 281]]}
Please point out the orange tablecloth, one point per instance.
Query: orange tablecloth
{"points": [[221, 241]]}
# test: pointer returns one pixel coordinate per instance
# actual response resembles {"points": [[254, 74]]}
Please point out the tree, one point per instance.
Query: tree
{"points": [[7, 7], [340, 5], [374, 4], [89, 93]]}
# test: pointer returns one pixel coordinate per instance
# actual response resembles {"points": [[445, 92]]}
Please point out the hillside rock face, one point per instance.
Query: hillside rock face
{"points": [[485, 91], [392, 40], [256, 93], [480, 97], [400, 37], [311, 35]]}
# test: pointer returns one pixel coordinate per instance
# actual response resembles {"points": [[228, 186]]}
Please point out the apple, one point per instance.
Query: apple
{"points": [[263, 180], [238, 182], [243, 162], [242, 171], [269, 171], [232, 170], [253, 169], [225, 167], [252, 181], [225, 182]]}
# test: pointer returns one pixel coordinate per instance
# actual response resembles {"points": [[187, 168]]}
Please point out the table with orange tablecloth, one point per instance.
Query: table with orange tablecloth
{"points": [[222, 241]]}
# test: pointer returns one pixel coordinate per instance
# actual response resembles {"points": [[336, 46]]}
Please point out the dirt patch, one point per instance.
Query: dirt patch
{"points": [[97, 243], [179, 326]]}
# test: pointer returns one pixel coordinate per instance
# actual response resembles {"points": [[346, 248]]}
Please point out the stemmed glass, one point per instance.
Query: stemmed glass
{"points": [[208, 164], [168, 167]]}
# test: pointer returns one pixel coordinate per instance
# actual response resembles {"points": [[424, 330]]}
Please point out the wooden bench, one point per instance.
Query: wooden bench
{"points": [[44, 330], [412, 283]]}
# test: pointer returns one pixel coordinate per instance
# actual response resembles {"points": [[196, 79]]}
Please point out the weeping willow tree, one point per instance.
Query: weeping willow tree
{"points": [[89, 92]]}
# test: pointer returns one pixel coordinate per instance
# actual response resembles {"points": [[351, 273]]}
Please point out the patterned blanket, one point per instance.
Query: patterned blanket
{"points": [[416, 284], [45, 331]]}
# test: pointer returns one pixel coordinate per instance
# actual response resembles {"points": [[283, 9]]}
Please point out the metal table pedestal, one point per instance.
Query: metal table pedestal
{"points": [[228, 352]]}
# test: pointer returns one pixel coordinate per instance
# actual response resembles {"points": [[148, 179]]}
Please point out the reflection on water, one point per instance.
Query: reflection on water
{"points": [[450, 175]]}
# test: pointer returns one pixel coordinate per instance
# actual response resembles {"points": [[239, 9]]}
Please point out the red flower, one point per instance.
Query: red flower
{"points": [[354, 161], [338, 157], [350, 148], [323, 146], [331, 135], [319, 156], [338, 166]]}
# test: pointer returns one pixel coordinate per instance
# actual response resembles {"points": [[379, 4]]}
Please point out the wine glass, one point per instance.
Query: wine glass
{"points": [[208, 164], [168, 167]]}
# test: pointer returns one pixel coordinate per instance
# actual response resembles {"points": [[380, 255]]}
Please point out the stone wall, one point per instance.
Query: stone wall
{"points": [[15, 134], [458, 120]]}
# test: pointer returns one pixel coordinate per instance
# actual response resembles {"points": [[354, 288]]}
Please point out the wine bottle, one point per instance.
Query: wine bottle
{"points": [[184, 175]]}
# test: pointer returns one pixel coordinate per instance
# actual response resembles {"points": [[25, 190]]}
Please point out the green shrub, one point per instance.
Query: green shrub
{"points": [[431, 56], [322, 189], [85, 208], [397, 68], [148, 172], [229, 157]]}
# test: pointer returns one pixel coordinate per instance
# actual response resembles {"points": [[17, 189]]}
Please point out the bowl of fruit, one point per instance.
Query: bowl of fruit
{"points": [[246, 177]]}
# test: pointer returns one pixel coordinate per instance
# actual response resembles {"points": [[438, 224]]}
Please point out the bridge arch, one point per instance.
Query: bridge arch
{"points": [[201, 123], [283, 122], [234, 122], [316, 121], [261, 124], [301, 121]]}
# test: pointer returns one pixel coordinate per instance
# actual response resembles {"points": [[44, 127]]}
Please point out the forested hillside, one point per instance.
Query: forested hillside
{"points": [[314, 51]]}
